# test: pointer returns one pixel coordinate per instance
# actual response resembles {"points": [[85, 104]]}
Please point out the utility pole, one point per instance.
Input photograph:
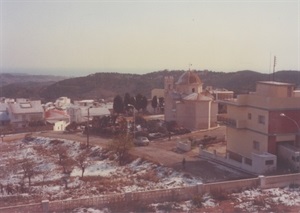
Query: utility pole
{"points": [[133, 119], [88, 128], [274, 64]]}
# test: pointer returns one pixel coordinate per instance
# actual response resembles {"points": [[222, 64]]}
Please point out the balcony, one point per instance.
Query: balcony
{"points": [[225, 120]]}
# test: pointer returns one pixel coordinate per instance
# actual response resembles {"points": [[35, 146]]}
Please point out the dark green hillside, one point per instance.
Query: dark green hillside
{"points": [[23, 90], [108, 85], [16, 78], [239, 82]]}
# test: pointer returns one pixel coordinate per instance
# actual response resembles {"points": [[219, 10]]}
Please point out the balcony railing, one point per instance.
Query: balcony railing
{"points": [[239, 124], [223, 119]]}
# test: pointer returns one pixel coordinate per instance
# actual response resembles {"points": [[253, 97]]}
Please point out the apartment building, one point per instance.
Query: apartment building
{"points": [[259, 124]]}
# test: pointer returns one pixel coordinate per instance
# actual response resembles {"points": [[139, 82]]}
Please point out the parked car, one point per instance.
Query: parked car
{"points": [[156, 135], [141, 141]]}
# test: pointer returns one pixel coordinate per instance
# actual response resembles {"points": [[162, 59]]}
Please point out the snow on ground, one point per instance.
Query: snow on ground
{"points": [[103, 175], [262, 200]]}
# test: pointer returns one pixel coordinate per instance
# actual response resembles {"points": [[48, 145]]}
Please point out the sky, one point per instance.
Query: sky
{"points": [[82, 37]]}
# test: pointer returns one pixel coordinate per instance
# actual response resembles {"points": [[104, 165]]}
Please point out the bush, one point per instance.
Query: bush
{"points": [[166, 207], [197, 201], [294, 185], [149, 176], [259, 201], [220, 196]]}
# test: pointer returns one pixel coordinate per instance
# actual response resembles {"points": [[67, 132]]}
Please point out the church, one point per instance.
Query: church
{"points": [[187, 103]]}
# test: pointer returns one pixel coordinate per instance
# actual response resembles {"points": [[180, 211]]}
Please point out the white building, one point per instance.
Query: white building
{"points": [[23, 112], [187, 104]]}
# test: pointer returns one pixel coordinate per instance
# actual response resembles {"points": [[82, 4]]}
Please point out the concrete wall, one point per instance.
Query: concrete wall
{"points": [[258, 162], [174, 194]]}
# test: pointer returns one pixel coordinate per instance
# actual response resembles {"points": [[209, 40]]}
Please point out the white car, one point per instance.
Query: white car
{"points": [[141, 141]]}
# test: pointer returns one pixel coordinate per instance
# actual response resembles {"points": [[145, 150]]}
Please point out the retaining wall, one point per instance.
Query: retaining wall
{"points": [[174, 194]]}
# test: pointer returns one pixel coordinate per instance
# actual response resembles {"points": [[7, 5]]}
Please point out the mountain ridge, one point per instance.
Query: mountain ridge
{"points": [[106, 85]]}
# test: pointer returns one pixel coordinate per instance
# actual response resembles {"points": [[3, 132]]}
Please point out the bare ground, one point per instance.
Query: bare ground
{"points": [[164, 152]]}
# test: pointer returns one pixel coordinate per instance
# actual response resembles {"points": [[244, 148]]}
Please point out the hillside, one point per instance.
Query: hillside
{"points": [[107, 85], [19, 85], [15, 78]]}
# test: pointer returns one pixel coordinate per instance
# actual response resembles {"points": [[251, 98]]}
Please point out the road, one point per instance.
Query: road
{"points": [[164, 152]]}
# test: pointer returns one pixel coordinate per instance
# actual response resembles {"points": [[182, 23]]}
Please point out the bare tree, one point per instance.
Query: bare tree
{"points": [[28, 167], [121, 145], [60, 151], [81, 161], [67, 163]]}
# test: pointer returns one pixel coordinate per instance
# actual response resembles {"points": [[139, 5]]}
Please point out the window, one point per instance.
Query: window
{"points": [[256, 145], [297, 159], [269, 162], [249, 116], [248, 161], [25, 105], [261, 119]]}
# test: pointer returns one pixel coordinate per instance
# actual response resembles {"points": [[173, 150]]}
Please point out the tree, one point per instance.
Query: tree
{"points": [[138, 102], [81, 161], [154, 103], [161, 103], [67, 163], [144, 103], [28, 167], [121, 145], [127, 101], [61, 151], [118, 105], [132, 101]]}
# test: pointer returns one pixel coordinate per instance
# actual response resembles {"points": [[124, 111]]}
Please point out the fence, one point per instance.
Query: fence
{"points": [[174, 194]]}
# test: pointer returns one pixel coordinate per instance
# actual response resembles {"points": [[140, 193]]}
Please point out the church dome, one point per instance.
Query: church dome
{"points": [[189, 77]]}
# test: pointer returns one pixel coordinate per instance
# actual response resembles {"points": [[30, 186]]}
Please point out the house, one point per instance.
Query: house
{"points": [[81, 110], [74, 113], [262, 126], [25, 112], [187, 103], [62, 102], [85, 103], [60, 125]]}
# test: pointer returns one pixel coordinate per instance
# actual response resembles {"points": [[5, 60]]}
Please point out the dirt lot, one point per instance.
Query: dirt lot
{"points": [[164, 152]]}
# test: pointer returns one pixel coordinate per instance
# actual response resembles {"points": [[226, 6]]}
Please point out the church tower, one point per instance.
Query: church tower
{"points": [[169, 83], [169, 102]]}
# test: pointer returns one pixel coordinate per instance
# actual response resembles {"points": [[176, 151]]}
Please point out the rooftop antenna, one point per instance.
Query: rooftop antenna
{"points": [[270, 65], [274, 64]]}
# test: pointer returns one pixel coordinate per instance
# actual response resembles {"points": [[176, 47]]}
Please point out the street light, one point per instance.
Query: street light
{"points": [[295, 122], [133, 119]]}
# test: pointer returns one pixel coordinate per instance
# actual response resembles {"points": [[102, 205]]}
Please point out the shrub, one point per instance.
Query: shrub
{"points": [[139, 206], [149, 176], [259, 201], [166, 207], [197, 201], [294, 185], [219, 195]]}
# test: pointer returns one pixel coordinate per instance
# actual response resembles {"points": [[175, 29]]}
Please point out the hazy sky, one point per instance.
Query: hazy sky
{"points": [[83, 37]]}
